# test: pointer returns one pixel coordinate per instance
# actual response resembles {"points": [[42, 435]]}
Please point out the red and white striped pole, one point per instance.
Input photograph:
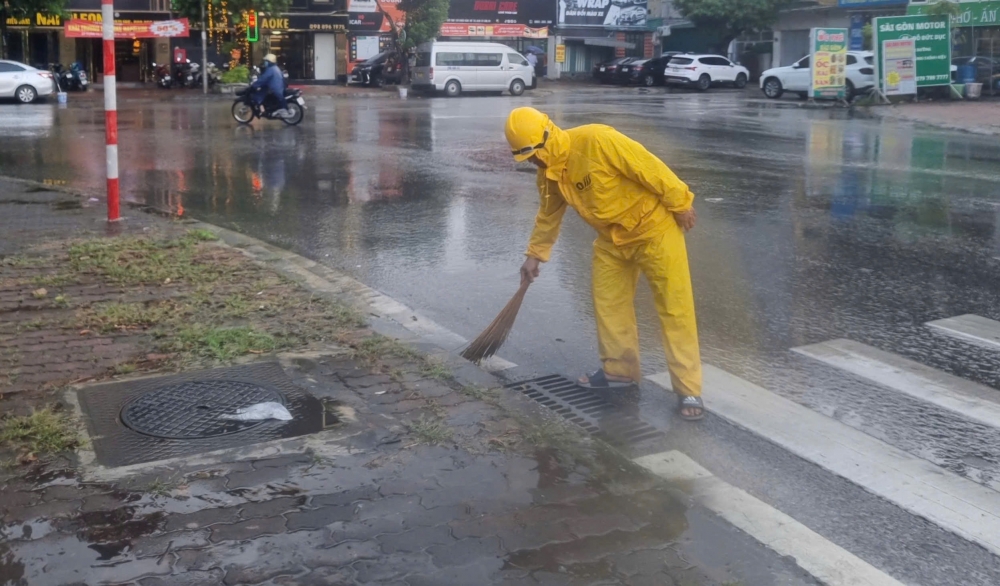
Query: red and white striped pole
{"points": [[110, 108]]}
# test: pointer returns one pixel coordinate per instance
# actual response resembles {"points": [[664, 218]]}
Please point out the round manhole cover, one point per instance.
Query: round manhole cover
{"points": [[191, 409]]}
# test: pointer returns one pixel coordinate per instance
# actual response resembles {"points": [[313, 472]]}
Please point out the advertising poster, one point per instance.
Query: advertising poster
{"points": [[603, 13], [88, 29], [829, 62], [899, 64], [461, 29], [931, 36], [530, 13]]}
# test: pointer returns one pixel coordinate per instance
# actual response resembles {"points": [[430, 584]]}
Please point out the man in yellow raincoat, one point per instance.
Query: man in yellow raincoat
{"points": [[640, 210]]}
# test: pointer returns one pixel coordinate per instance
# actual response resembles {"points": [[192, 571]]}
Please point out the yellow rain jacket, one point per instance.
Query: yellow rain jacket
{"points": [[628, 195]]}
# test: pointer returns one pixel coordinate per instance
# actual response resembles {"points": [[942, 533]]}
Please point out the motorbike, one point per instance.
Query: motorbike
{"points": [[72, 79], [245, 109], [161, 73]]}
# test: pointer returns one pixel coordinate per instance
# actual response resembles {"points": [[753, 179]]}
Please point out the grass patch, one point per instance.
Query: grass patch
{"points": [[224, 343], [138, 261], [430, 431], [43, 432], [480, 394], [61, 301], [122, 316], [432, 368], [124, 368], [158, 488], [53, 280], [375, 348], [236, 305], [201, 235]]}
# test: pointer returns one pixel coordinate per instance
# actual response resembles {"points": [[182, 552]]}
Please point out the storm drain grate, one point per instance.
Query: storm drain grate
{"points": [[588, 409], [192, 409], [156, 418]]}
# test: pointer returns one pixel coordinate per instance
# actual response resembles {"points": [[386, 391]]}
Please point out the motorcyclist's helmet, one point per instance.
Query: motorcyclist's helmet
{"points": [[269, 60]]}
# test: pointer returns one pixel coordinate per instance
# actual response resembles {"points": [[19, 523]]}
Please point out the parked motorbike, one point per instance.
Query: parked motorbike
{"points": [[73, 79], [161, 73], [245, 110]]}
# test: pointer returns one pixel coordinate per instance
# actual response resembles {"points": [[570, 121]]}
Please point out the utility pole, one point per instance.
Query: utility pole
{"points": [[110, 108], [204, 50]]}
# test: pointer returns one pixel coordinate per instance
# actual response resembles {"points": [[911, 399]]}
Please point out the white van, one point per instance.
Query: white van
{"points": [[471, 67]]}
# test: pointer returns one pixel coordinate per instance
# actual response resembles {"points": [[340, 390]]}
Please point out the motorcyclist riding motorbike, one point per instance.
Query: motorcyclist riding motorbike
{"points": [[272, 82]]}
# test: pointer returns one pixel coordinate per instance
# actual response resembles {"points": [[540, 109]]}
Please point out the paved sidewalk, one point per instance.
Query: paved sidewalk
{"points": [[415, 477], [980, 117]]}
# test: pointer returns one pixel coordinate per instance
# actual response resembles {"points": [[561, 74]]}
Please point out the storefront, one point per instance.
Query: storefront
{"points": [[517, 24], [40, 41], [310, 47], [975, 34], [371, 27], [593, 32]]}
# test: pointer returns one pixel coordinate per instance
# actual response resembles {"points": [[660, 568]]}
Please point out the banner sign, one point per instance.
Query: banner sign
{"points": [[533, 13], [604, 13], [464, 29], [560, 53], [899, 64], [931, 37], [970, 13], [88, 29], [43, 20], [828, 55]]}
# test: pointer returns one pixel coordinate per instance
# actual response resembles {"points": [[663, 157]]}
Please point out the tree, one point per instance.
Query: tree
{"points": [[423, 19], [943, 8], [731, 18], [232, 9], [25, 9]]}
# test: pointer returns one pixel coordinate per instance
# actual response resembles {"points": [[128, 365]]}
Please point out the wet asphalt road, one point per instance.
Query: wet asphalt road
{"points": [[814, 225]]}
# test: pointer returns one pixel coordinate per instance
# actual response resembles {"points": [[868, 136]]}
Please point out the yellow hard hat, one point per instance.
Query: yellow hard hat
{"points": [[526, 132], [270, 58]]}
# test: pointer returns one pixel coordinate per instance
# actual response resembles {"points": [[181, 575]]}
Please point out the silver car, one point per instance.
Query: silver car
{"points": [[23, 82]]}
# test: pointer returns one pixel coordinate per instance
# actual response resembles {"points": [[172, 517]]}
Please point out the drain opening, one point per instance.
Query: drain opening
{"points": [[587, 409], [191, 409]]}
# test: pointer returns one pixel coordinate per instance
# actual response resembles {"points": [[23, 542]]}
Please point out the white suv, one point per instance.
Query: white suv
{"points": [[702, 71], [797, 77]]}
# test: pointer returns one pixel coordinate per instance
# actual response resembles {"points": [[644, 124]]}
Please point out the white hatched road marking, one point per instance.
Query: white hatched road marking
{"points": [[972, 400], [825, 560], [974, 329], [958, 505]]}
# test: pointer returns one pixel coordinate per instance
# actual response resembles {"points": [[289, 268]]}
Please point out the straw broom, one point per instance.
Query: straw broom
{"points": [[488, 342]]}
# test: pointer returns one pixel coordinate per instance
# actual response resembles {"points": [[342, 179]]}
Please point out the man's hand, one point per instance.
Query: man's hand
{"points": [[530, 270], [686, 219]]}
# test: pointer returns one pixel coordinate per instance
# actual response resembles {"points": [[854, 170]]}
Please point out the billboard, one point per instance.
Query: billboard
{"points": [[828, 50], [464, 29], [89, 29], [532, 13], [603, 13], [931, 37]]}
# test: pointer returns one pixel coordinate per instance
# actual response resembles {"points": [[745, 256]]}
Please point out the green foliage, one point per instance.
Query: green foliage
{"points": [[224, 344], [43, 432], [239, 74], [943, 8], [732, 17], [423, 19], [866, 36]]}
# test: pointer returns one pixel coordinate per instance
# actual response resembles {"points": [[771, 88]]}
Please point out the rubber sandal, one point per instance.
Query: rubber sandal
{"points": [[687, 402], [599, 380]]}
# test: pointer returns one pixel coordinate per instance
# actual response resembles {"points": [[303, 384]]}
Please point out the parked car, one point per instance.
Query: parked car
{"points": [[379, 70], [23, 82], [704, 71], [645, 72], [458, 67], [606, 72], [797, 77]]}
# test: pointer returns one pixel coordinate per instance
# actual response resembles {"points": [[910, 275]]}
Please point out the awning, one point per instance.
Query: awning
{"points": [[605, 42]]}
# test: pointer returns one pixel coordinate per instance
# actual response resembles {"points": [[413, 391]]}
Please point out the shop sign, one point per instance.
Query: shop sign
{"points": [[828, 55], [970, 13], [332, 23], [560, 53], [365, 21], [465, 29], [899, 59], [605, 13], [42, 20], [533, 13], [932, 40], [89, 29]]}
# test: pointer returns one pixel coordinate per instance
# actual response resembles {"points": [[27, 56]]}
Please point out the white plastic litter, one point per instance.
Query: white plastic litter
{"points": [[260, 412]]}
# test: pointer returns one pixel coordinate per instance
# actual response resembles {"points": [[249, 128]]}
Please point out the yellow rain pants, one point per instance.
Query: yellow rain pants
{"points": [[615, 273]]}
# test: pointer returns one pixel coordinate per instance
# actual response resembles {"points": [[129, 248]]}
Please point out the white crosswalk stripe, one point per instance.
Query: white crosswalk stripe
{"points": [[958, 505], [828, 562], [973, 329], [972, 400]]}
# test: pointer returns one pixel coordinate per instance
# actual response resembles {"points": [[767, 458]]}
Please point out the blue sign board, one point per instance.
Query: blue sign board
{"points": [[870, 3], [855, 36]]}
